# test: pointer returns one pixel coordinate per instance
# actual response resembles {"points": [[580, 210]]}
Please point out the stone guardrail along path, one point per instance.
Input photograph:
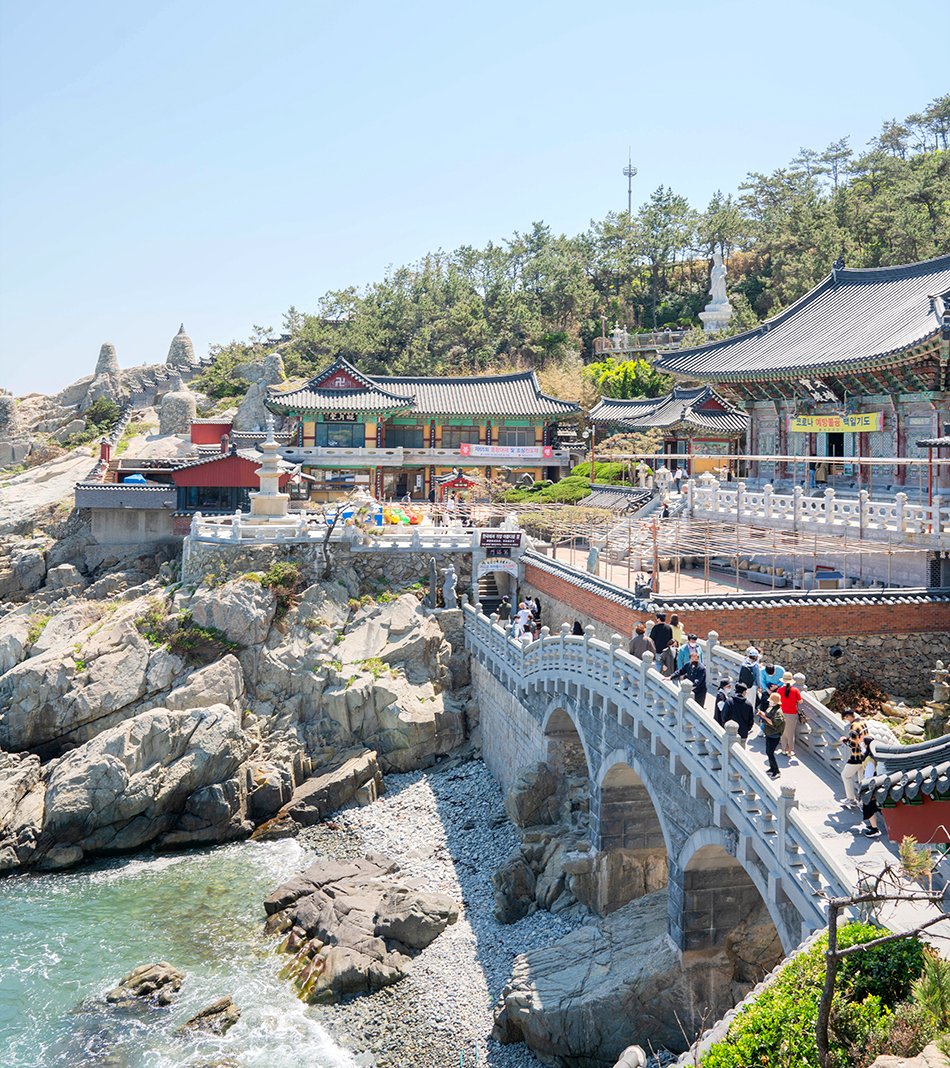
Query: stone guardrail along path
{"points": [[718, 812], [896, 521]]}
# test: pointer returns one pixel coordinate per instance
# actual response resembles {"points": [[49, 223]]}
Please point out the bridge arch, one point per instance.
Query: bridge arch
{"points": [[628, 832], [565, 747], [716, 892]]}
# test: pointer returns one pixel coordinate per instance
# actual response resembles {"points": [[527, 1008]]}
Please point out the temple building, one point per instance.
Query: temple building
{"points": [[698, 426], [394, 437], [860, 366]]}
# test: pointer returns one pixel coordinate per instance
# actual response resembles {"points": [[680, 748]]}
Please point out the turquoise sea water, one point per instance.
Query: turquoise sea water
{"points": [[67, 938]]}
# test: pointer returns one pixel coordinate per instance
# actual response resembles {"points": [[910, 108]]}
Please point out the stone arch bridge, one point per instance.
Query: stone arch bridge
{"points": [[664, 776]]}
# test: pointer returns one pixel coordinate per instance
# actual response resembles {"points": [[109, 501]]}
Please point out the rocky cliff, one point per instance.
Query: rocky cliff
{"points": [[136, 711]]}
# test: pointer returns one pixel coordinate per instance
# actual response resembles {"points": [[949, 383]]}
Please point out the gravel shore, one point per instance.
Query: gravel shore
{"points": [[448, 829]]}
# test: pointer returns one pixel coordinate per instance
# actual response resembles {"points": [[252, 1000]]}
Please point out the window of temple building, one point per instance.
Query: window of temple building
{"points": [[213, 498], [406, 437], [515, 436], [339, 435], [453, 436]]}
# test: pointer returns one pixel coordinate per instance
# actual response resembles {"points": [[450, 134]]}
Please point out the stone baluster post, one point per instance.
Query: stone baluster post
{"points": [[645, 664], [236, 526], [196, 524], [545, 648], [786, 802], [937, 524], [797, 494], [767, 497], [900, 512], [684, 694], [863, 503], [740, 500], [714, 497], [616, 642], [829, 506], [691, 496], [728, 743]]}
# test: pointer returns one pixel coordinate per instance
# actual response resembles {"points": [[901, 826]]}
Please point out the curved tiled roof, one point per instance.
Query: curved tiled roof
{"points": [[907, 772], [855, 317], [515, 395], [681, 407]]}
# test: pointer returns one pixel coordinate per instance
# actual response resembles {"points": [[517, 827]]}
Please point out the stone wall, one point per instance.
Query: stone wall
{"points": [[899, 663], [511, 737], [131, 526], [376, 568]]}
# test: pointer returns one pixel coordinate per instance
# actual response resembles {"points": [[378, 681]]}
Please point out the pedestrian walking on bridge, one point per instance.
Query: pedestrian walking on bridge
{"points": [[696, 673], [739, 709], [857, 753], [790, 698], [773, 727], [640, 643]]}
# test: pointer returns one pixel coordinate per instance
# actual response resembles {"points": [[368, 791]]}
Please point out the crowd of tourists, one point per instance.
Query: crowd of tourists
{"points": [[764, 695]]}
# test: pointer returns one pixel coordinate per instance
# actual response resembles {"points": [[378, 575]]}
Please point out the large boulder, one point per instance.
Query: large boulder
{"points": [[21, 808], [70, 693], [162, 776], [534, 797], [221, 682], [242, 610], [353, 776], [580, 1001], [408, 724], [399, 633], [929, 1057], [157, 983], [215, 1019], [353, 926]]}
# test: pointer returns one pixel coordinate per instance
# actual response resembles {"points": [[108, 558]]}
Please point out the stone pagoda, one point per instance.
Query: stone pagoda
{"points": [[268, 504]]}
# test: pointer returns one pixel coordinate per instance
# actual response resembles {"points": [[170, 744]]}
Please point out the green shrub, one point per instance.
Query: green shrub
{"points": [[35, 629], [887, 972], [932, 989], [376, 667], [153, 625], [197, 644], [282, 579], [778, 1029]]}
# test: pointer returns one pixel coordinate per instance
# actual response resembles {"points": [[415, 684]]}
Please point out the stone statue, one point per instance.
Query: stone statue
{"points": [[717, 280], [593, 560], [718, 311], [449, 597], [432, 600]]}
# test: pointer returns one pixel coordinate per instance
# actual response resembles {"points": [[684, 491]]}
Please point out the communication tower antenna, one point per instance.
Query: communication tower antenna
{"points": [[630, 172]]}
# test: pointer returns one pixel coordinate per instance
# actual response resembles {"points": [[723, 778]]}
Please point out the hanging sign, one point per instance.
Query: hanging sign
{"points": [[509, 567], [847, 424], [515, 452], [500, 539]]}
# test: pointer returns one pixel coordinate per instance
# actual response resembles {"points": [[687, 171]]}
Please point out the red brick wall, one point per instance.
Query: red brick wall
{"points": [[776, 622]]}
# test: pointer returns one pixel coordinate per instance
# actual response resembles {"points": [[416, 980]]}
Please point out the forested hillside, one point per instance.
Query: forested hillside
{"points": [[539, 298]]}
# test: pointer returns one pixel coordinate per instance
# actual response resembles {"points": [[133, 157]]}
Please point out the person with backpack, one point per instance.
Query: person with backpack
{"points": [[749, 672], [772, 728], [738, 708]]}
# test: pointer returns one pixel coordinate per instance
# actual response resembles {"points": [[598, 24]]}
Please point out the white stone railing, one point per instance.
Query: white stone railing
{"points": [[239, 528], [635, 695], [398, 455], [894, 521], [330, 454]]}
